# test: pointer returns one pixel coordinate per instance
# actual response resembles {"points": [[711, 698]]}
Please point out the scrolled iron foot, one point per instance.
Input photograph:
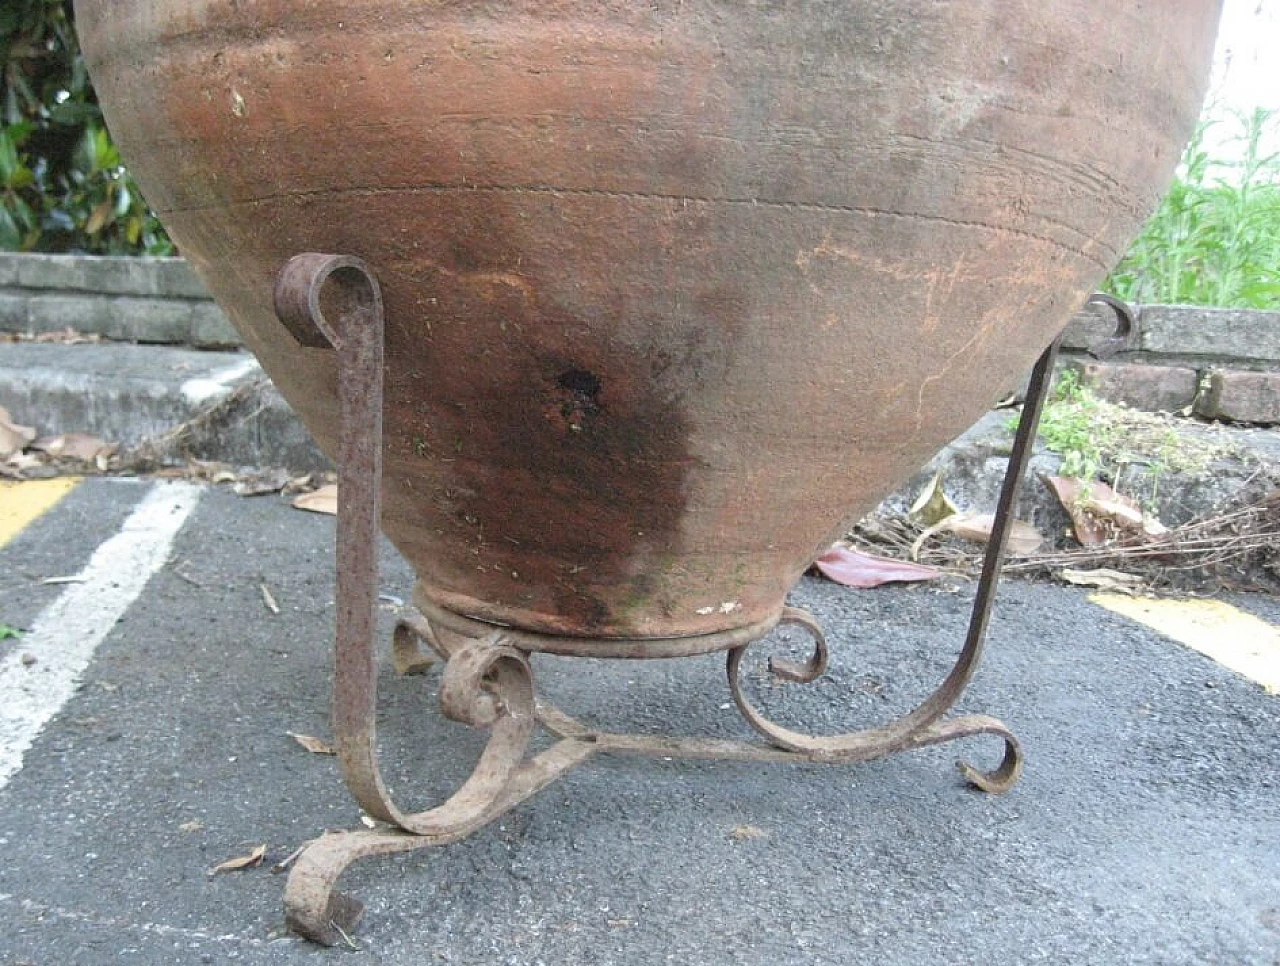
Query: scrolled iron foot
{"points": [[998, 780], [487, 685], [917, 729]]}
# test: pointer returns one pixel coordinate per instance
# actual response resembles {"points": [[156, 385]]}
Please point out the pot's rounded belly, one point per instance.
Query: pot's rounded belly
{"points": [[671, 295]]}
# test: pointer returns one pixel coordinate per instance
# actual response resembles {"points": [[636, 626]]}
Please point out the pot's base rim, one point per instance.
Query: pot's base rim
{"points": [[445, 616]]}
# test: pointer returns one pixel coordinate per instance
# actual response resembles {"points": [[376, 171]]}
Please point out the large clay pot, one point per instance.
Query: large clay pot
{"points": [[673, 290]]}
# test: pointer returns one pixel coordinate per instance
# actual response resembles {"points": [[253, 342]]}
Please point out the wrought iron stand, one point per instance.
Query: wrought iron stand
{"points": [[487, 681]]}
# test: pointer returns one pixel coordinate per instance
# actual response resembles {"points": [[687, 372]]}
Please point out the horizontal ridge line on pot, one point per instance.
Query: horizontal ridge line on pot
{"points": [[647, 196]]}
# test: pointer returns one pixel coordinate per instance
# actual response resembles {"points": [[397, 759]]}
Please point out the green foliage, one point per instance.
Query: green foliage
{"points": [[1099, 440], [62, 186], [1071, 426], [1215, 239]]}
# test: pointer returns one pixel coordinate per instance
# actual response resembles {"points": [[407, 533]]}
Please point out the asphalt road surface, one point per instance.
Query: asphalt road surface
{"points": [[145, 713]]}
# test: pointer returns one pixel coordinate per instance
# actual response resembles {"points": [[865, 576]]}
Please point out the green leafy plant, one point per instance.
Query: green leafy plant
{"points": [[62, 185], [1071, 426], [8, 633], [1215, 239]]}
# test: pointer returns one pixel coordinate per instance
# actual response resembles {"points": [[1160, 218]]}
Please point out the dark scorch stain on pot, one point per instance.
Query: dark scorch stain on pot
{"points": [[612, 454], [558, 475]]}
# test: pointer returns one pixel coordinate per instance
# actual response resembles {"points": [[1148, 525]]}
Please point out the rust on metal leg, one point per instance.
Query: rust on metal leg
{"points": [[334, 301], [925, 725]]}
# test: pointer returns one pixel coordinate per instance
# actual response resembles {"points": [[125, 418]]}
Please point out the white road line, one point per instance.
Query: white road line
{"points": [[64, 637], [203, 388]]}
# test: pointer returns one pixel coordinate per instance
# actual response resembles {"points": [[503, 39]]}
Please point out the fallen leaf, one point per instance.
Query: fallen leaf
{"points": [[744, 833], [73, 446], [191, 826], [259, 484], [1024, 539], [249, 861], [8, 633], [13, 438], [853, 568], [323, 500], [268, 599], [932, 505], [98, 217], [1113, 580], [1099, 514], [316, 746]]}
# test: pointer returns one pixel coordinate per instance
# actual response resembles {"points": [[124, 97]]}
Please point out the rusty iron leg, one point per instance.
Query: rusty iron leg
{"points": [[334, 301], [926, 724]]}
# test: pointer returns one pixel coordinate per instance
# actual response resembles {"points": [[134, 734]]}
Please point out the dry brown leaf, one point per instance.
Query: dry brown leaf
{"points": [[323, 500], [1099, 514], [249, 861], [26, 461], [297, 484], [73, 446], [744, 833], [316, 746], [13, 438], [1112, 580], [1024, 539]]}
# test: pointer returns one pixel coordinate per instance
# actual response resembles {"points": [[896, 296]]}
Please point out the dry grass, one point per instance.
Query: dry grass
{"points": [[1239, 547]]}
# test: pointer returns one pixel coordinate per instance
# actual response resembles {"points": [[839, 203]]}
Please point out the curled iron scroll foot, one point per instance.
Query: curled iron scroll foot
{"points": [[998, 780], [922, 727], [487, 685]]}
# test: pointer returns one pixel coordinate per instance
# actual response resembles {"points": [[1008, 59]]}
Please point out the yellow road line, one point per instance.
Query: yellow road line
{"points": [[1239, 641], [23, 501]]}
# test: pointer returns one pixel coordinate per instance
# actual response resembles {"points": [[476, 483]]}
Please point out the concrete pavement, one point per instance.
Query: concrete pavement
{"points": [[1144, 831]]}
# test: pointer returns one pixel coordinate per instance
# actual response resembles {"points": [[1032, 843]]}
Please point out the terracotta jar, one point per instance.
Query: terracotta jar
{"points": [[674, 290]]}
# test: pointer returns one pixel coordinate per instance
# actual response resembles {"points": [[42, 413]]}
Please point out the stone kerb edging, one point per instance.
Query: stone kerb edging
{"points": [[1219, 363], [130, 299]]}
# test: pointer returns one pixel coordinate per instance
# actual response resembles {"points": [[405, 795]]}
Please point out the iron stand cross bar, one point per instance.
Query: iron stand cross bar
{"points": [[334, 301]]}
